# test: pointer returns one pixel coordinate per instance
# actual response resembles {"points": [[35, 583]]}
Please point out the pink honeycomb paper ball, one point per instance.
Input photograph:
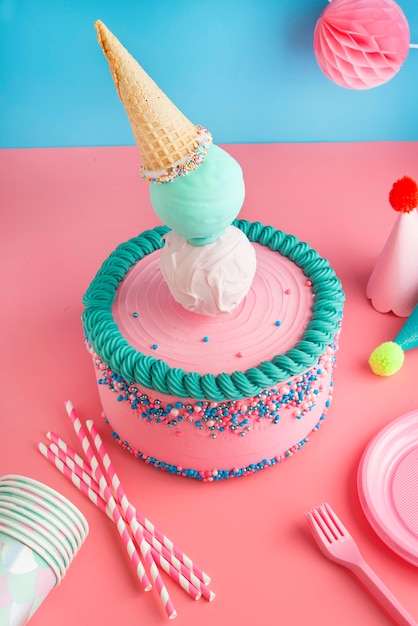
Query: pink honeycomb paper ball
{"points": [[361, 44]]}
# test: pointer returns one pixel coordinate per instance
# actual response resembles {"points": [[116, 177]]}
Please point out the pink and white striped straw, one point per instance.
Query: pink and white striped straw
{"points": [[116, 514], [120, 496], [83, 471], [111, 502], [159, 538], [96, 498], [170, 551], [76, 480], [183, 581], [123, 531], [168, 561], [75, 468], [135, 527], [172, 548], [69, 452], [130, 512]]}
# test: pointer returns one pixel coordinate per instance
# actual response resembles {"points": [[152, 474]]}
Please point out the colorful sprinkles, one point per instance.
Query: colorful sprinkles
{"points": [[298, 395], [219, 474], [183, 166]]}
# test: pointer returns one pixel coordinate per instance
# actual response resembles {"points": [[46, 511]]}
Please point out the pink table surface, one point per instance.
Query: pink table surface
{"points": [[62, 212]]}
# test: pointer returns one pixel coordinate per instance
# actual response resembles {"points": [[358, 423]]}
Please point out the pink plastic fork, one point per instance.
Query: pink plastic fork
{"points": [[337, 545]]}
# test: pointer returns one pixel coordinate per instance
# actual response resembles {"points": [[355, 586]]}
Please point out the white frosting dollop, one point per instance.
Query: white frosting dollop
{"points": [[209, 279]]}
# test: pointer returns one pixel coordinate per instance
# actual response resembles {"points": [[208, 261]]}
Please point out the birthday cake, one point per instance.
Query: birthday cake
{"points": [[213, 338]]}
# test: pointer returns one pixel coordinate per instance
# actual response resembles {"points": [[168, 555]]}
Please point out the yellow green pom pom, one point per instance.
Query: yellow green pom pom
{"points": [[386, 359]]}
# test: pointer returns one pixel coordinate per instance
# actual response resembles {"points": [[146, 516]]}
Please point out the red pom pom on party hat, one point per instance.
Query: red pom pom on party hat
{"points": [[393, 284], [403, 196]]}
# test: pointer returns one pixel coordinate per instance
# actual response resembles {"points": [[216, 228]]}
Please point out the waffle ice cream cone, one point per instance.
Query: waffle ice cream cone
{"points": [[162, 133]]}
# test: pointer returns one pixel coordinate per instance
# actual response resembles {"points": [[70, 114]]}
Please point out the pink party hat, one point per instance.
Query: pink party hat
{"points": [[393, 284], [388, 358]]}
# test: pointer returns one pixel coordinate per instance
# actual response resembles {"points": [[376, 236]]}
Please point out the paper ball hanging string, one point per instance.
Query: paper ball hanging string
{"points": [[360, 44]]}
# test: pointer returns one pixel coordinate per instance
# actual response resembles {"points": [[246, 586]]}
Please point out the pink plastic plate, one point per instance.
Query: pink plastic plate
{"points": [[388, 485]]}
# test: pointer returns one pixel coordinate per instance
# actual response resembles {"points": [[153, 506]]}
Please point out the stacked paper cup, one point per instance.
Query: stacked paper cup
{"points": [[40, 534]]}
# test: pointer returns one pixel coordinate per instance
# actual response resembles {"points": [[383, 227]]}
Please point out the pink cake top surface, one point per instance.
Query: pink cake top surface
{"points": [[269, 321]]}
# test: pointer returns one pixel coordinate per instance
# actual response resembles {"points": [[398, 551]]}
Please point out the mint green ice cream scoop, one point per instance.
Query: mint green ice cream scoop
{"points": [[201, 205]]}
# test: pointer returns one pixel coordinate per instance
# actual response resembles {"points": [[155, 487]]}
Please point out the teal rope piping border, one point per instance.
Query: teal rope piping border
{"points": [[136, 368]]}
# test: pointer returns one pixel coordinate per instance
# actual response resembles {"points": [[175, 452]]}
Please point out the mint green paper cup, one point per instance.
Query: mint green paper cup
{"points": [[47, 537], [49, 496], [25, 581], [40, 515], [40, 534], [38, 505]]}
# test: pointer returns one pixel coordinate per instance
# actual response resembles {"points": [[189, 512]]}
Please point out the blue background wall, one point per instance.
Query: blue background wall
{"points": [[245, 69]]}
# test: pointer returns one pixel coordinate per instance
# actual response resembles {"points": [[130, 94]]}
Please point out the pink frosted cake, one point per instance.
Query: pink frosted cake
{"points": [[213, 338]]}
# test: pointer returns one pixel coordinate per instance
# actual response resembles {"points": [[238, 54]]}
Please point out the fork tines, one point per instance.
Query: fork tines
{"points": [[326, 520]]}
